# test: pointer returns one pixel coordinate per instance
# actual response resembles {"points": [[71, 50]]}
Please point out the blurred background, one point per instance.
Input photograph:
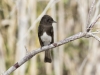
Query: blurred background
{"points": [[79, 57]]}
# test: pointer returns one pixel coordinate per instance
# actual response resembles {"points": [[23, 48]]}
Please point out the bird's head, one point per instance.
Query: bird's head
{"points": [[46, 19]]}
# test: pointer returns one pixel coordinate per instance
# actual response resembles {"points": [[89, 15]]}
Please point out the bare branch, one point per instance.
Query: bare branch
{"points": [[92, 24], [94, 36], [97, 32], [34, 52], [90, 12]]}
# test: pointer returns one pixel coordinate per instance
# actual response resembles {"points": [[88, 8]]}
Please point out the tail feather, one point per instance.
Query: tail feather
{"points": [[48, 56]]}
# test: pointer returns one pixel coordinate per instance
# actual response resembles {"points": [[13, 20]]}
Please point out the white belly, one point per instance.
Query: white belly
{"points": [[46, 39]]}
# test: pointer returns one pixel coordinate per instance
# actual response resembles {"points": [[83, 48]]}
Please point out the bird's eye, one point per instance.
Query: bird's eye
{"points": [[48, 20]]}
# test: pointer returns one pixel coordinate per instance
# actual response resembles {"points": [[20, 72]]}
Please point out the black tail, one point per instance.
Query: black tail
{"points": [[48, 56]]}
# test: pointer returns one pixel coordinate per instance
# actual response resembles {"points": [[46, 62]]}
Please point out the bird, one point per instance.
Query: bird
{"points": [[46, 35]]}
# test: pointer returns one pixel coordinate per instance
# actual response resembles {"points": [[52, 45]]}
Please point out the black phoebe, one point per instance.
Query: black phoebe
{"points": [[46, 35]]}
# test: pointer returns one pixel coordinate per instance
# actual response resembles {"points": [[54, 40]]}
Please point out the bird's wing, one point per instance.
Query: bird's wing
{"points": [[52, 34], [40, 30]]}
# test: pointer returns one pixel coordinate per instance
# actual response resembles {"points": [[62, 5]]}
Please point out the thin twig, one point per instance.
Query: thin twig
{"points": [[96, 37], [90, 12], [96, 32], [92, 24], [26, 49]]}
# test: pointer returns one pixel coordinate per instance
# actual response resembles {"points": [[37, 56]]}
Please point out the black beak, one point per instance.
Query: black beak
{"points": [[54, 22]]}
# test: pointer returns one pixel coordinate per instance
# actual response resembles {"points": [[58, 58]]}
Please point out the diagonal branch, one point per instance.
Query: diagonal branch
{"points": [[94, 36], [34, 52], [92, 24], [90, 12]]}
